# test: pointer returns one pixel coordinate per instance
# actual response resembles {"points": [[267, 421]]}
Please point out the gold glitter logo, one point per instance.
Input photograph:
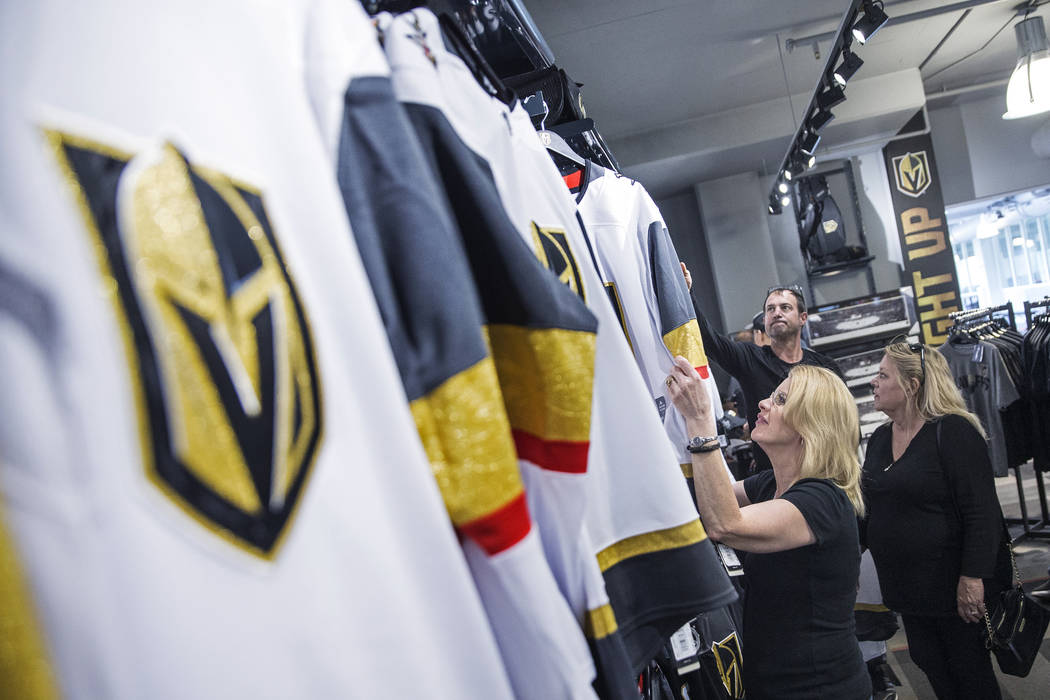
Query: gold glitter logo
{"points": [[552, 247], [220, 351]]}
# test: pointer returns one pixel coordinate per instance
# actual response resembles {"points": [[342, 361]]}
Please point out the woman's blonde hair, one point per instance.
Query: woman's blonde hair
{"points": [[935, 395], [822, 411]]}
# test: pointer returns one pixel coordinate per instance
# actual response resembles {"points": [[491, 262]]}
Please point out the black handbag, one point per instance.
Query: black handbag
{"points": [[1015, 627]]}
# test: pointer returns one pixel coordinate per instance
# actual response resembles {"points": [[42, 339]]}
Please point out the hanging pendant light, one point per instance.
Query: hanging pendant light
{"points": [[1028, 91]]}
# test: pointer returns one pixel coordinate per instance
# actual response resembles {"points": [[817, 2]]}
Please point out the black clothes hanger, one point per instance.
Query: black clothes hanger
{"points": [[556, 144], [465, 49]]}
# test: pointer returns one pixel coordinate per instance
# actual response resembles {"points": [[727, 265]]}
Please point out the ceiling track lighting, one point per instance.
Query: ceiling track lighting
{"points": [[793, 169], [851, 63], [820, 119], [808, 143], [872, 20], [1028, 92], [859, 23], [830, 97]]}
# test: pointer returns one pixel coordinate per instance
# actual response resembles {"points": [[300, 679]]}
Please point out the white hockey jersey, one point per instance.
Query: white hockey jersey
{"points": [[641, 268], [210, 480], [642, 524], [542, 343]]}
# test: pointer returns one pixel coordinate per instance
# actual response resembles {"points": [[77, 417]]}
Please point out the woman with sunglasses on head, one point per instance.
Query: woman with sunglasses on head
{"points": [[933, 523], [798, 522]]}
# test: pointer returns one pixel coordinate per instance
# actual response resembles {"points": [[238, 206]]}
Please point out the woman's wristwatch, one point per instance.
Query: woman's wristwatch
{"points": [[705, 444]]}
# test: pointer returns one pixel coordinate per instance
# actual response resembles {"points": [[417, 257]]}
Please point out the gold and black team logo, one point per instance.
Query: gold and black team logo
{"points": [[553, 249], [221, 357], [912, 173], [730, 660]]}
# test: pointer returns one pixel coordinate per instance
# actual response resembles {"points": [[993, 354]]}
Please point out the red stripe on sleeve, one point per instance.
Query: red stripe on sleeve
{"points": [[555, 455], [572, 180], [703, 372], [501, 529]]}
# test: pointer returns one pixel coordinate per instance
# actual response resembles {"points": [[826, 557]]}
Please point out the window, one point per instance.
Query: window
{"points": [[1002, 249]]}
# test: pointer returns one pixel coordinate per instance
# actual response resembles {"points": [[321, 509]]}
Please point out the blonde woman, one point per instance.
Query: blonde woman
{"points": [[798, 523], [933, 525]]}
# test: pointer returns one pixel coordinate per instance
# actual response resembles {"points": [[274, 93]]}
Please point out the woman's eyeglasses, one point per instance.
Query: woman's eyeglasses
{"points": [[921, 349], [778, 398]]}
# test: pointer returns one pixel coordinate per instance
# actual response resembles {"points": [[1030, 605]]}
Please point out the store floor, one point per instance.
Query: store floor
{"points": [[1033, 558]]}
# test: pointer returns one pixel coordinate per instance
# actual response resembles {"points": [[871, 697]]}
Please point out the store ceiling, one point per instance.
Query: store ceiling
{"points": [[651, 70]]}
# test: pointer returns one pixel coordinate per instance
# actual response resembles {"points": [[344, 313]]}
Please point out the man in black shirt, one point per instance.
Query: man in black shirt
{"points": [[761, 369]]}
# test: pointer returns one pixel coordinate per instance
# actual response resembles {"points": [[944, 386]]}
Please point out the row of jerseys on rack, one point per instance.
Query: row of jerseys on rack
{"points": [[1002, 375], [312, 382]]}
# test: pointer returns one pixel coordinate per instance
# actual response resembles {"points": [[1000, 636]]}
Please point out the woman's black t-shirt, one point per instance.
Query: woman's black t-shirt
{"points": [[921, 535], [799, 639]]}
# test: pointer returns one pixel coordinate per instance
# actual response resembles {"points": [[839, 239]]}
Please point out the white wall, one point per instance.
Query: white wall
{"points": [[998, 152], [739, 243], [953, 158]]}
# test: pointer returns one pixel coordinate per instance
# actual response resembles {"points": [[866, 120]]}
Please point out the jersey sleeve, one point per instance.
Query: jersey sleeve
{"points": [[821, 503], [674, 308]]}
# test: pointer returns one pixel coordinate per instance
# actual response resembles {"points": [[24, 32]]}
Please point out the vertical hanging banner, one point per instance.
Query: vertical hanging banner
{"points": [[918, 208]]}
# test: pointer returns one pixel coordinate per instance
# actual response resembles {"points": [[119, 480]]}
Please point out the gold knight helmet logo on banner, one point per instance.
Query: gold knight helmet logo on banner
{"points": [[219, 351], [912, 173]]}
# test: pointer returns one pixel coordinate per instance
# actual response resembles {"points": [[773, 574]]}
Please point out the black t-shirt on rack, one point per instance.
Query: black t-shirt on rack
{"points": [[799, 639], [758, 370]]}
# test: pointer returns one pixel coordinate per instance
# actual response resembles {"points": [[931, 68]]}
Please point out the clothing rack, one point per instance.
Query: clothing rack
{"points": [[968, 317], [1032, 527], [503, 30], [1039, 531], [509, 41], [1029, 306]]}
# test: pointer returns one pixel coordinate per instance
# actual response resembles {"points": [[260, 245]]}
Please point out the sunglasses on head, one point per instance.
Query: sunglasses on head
{"points": [[793, 288], [921, 349]]}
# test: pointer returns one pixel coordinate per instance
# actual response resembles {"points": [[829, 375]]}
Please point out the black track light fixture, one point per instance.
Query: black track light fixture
{"points": [[830, 97], [794, 168], [860, 21], [851, 63], [808, 143], [870, 22], [820, 119]]}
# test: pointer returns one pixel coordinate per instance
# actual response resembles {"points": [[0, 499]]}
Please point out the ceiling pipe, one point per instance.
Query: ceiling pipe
{"points": [[791, 43], [938, 94]]}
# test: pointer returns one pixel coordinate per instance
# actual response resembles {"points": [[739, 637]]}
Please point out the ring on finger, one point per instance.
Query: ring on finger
{"points": [[670, 381]]}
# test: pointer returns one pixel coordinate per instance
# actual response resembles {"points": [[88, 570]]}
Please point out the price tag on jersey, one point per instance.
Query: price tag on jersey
{"points": [[730, 560], [684, 643]]}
